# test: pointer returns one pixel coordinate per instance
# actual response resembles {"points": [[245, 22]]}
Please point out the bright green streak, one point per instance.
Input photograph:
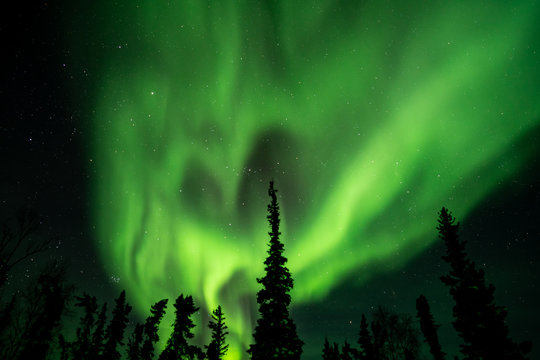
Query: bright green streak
{"points": [[369, 117]]}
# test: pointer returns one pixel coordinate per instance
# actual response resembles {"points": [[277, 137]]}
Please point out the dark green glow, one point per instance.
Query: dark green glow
{"points": [[369, 117]]}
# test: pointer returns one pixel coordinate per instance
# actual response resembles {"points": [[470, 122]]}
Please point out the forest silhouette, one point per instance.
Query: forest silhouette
{"points": [[31, 320]]}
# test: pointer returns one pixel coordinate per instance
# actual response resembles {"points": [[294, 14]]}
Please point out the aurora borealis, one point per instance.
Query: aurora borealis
{"points": [[369, 116]]}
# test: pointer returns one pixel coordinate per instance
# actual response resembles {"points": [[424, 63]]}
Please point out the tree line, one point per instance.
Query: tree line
{"points": [[30, 322]]}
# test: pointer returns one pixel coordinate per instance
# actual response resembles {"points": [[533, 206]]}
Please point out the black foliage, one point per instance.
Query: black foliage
{"points": [[82, 345], [177, 346], [348, 352], [217, 347], [17, 244], [115, 330], [365, 341], [29, 328], [151, 327], [98, 336], [275, 333], [330, 352], [64, 347], [429, 328], [47, 302], [394, 336], [479, 322], [134, 343]]}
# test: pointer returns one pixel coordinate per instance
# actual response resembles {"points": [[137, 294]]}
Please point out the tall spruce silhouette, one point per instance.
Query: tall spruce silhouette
{"points": [[151, 327], [330, 352], [478, 321], [135, 342], [217, 347], [116, 328], [177, 346], [275, 333], [98, 336], [429, 328], [348, 352], [82, 344], [365, 341]]}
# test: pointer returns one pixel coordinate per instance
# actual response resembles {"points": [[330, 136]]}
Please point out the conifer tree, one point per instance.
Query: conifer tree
{"points": [[134, 343], [365, 341], [217, 347], [50, 297], [330, 352], [151, 327], [98, 336], [275, 333], [64, 347], [177, 346], [429, 328], [81, 346], [380, 337], [348, 352], [116, 328], [478, 321]]}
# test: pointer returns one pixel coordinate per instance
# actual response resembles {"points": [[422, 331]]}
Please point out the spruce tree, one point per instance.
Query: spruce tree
{"points": [[429, 328], [116, 328], [82, 344], [478, 321], [64, 346], [134, 343], [217, 347], [151, 327], [98, 336], [330, 352], [275, 333], [177, 347], [380, 336], [365, 341], [348, 352]]}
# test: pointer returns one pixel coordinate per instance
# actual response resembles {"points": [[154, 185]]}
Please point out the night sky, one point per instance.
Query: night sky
{"points": [[145, 136]]}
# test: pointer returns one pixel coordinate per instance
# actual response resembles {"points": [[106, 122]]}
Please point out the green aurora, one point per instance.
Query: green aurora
{"points": [[369, 116]]}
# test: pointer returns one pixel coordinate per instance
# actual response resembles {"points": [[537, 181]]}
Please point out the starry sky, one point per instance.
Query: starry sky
{"points": [[145, 135]]}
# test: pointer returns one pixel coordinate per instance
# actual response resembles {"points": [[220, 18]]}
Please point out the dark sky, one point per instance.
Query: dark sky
{"points": [[43, 146], [44, 150]]}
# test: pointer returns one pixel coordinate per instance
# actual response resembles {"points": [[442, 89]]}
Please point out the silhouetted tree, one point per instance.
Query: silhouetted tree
{"points": [[478, 321], [217, 347], [177, 346], [17, 245], [330, 352], [45, 305], [380, 334], [82, 344], [116, 328], [65, 347], [275, 333], [98, 336], [365, 341], [151, 327], [5, 318], [394, 336], [429, 328], [134, 343], [348, 352]]}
